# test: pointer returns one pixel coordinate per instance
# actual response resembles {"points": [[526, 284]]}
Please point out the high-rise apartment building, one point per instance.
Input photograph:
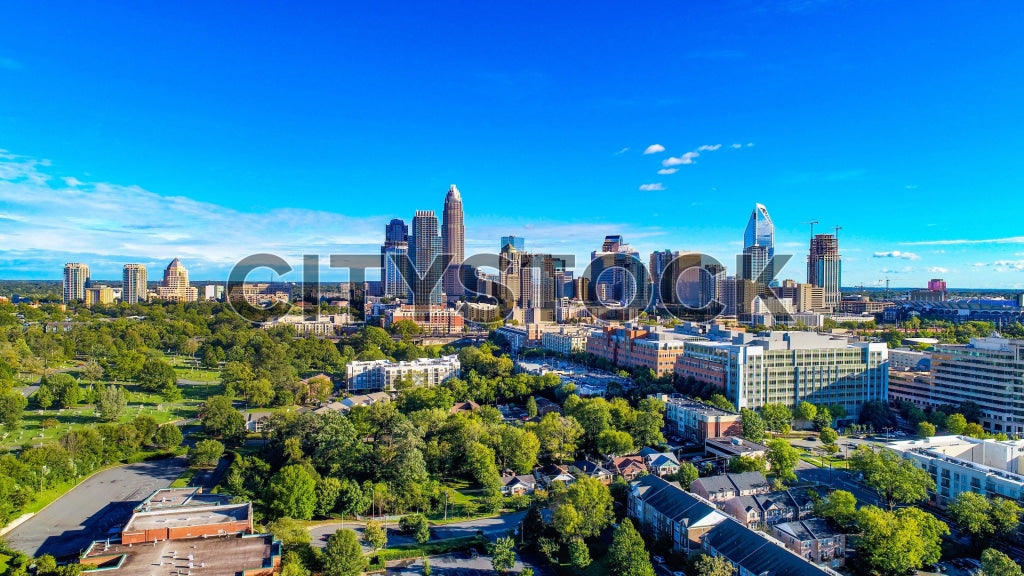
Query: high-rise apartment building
{"points": [[424, 248], [619, 280], [453, 242], [824, 267], [175, 286], [660, 261], [133, 283], [76, 279], [392, 256]]}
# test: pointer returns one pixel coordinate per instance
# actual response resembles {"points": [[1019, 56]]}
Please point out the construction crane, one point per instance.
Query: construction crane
{"points": [[812, 223], [838, 228]]}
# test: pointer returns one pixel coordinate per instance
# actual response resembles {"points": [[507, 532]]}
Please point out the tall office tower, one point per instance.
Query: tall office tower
{"points": [[424, 248], [824, 267], [133, 283], [175, 286], [758, 246], [659, 262], [689, 286], [515, 241], [619, 280], [453, 241], [510, 270], [76, 278], [392, 256]]}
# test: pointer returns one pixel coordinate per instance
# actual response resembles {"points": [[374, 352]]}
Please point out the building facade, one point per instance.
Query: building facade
{"points": [[393, 256], [635, 347], [697, 421], [133, 283], [424, 248], [987, 371], [386, 375], [453, 241], [790, 367], [824, 267], [175, 286], [76, 278]]}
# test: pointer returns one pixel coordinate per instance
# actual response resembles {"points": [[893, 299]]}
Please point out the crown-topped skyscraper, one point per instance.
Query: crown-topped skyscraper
{"points": [[453, 241]]}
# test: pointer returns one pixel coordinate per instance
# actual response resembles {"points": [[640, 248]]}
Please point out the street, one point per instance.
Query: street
{"points": [[492, 528]]}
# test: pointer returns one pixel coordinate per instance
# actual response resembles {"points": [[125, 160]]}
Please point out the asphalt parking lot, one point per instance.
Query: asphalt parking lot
{"points": [[84, 514]]}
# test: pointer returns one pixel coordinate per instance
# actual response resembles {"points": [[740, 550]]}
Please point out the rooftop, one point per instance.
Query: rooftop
{"points": [[695, 406], [179, 517], [211, 556], [735, 445], [179, 497], [757, 553]]}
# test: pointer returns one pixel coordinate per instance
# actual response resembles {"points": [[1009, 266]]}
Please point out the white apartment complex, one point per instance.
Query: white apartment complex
{"points": [[385, 374]]}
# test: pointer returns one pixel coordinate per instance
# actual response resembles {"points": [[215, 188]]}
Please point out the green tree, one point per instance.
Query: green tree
{"points": [[706, 565], [168, 436], [205, 454], [12, 406], [112, 402], [292, 493], [63, 388], [615, 442], [343, 556], [828, 436], [584, 510], [579, 554], [777, 417], [974, 430], [995, 563], [290, 532], [503, 557], [147, 426], [741, 464], [627, 555], [840, 507], [925, 429], [783, 459], [531, 407], [374, 535], [806, 411], [417, 526], [328, 489], [895, 543], [156, 374], [517, 448], [753, 425], [897, 480], [687, 474], [822, 419], [221, 419], [956, 423], [982, 518], [558, 435], [650, 421]]}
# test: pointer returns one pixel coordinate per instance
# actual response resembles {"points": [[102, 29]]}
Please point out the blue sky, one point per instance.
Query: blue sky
{"points": [[211, 131]]}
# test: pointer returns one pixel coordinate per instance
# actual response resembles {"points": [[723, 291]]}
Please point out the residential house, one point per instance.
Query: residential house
{"points": [[660, 463], [545, 406], [468, 406], [629, 467], [755, 554], [518, 485], [814, 540], [591, 469], [663, 510], [552, 473], [725, 486]]}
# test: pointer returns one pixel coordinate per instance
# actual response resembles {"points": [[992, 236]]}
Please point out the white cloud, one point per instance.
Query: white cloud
{"points": [[749, 144], [904, 270], [1008, 240], [72, 181], [897, 254], [652, 187], [654, 149], [938, 270], [708, 147], [737, 146], [679, 160], [665, 171], [623, 151]]}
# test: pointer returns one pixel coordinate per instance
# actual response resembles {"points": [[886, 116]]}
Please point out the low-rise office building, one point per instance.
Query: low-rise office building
{"points": [[958, 464], [730, 447], [631, 346], [697, 421]]}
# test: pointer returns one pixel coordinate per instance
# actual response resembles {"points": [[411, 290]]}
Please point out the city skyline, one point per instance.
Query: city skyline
{"points": [[663, 125]]}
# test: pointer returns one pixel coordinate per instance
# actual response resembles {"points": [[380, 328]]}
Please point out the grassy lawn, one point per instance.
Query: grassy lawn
{"points": [[816, 460], [378, 559], [462, 505]]}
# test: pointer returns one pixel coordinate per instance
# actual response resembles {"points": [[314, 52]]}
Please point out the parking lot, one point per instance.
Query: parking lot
{"points": [[461, 565]]}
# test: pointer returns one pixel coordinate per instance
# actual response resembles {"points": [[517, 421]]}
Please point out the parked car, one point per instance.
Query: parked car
{"points": [[659, 559]]}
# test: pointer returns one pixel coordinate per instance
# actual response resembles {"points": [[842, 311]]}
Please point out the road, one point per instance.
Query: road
{"points": [[460, 565], [87, 512], [492, 528]]}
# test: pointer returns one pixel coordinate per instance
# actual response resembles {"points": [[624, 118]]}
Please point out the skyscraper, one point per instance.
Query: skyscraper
{"points": [[424, 248], [392, 256], [76, 278], [618, 280], [516, 242], [133, 283], [758, 246], [824, 267], [453, 241], [175, 286]]}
